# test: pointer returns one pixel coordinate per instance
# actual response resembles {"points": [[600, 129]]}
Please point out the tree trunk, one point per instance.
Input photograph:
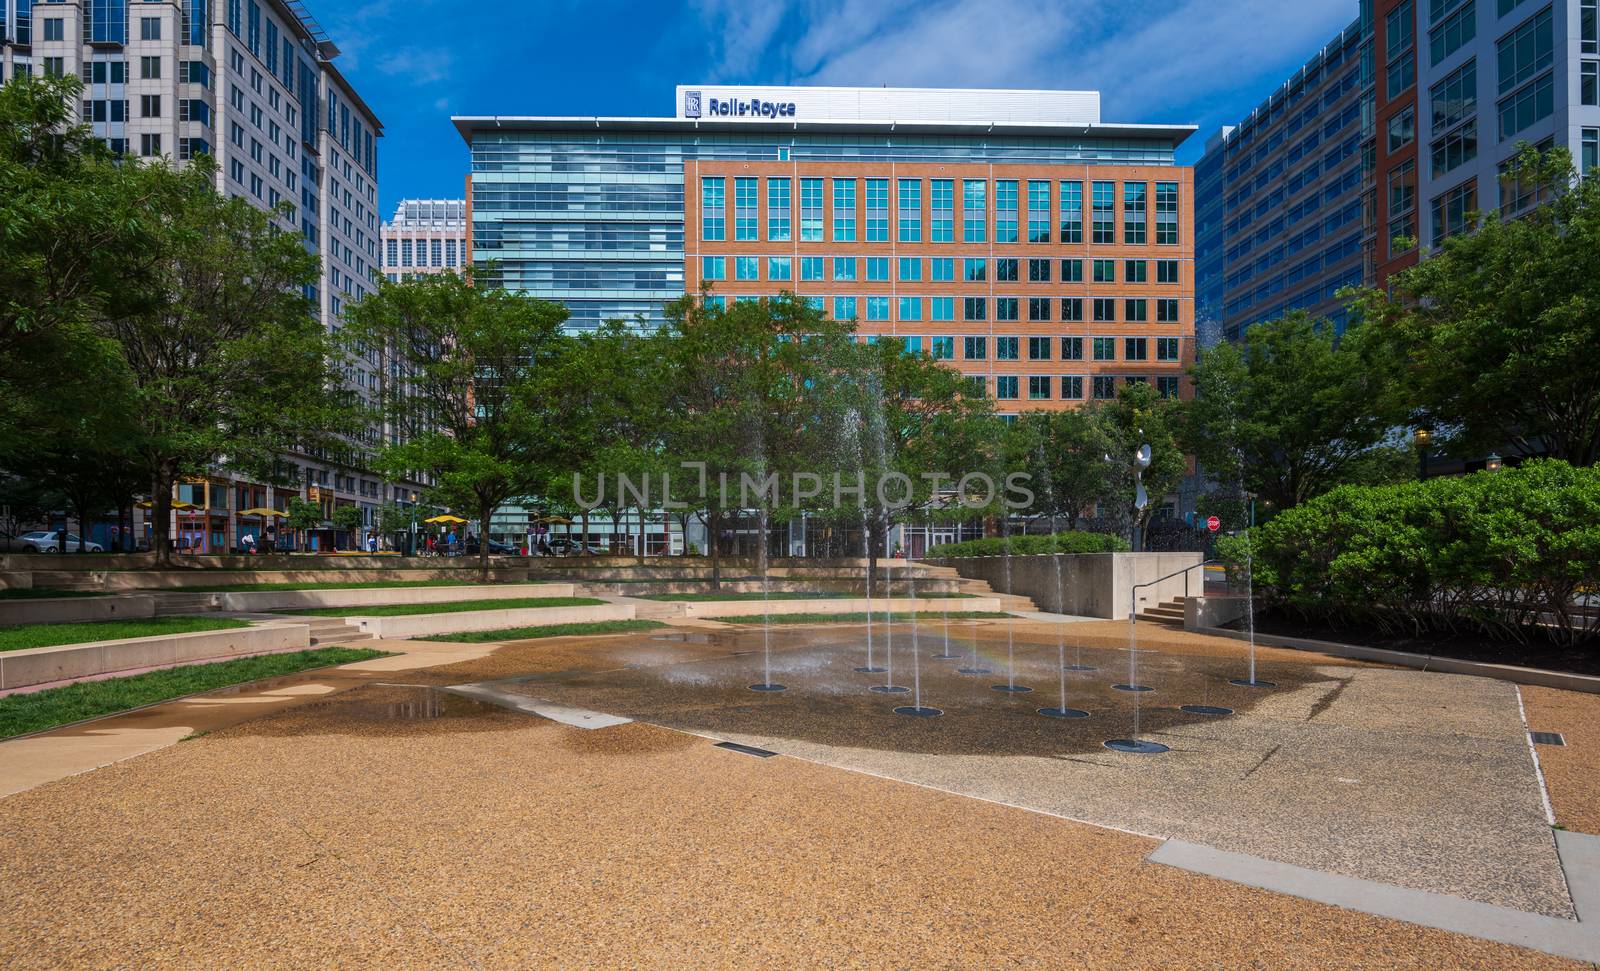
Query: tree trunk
{"points": [[714, 540], [161, 518], [485, 510], [83, 527]]}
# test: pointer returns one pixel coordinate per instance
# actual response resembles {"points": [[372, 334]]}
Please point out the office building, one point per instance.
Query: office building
{"points": [[1386, 142], [425, 236], [252, 83], [1043, 252]]}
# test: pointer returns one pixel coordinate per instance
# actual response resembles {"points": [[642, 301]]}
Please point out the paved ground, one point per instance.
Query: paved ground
{"points": [[388, 824]]}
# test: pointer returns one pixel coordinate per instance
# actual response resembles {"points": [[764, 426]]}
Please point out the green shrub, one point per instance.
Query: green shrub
{"points": [[1503, 553], [1068, 542]]}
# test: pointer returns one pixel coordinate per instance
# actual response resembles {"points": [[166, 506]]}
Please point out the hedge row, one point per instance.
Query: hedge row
{"points": [[1512, 554], [1069, 542]]}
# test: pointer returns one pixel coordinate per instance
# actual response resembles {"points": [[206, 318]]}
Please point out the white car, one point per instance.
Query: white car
{"points": [[45, 542]]}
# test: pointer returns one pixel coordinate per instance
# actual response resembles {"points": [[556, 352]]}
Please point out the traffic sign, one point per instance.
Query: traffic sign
{"points": [[1213, 523]]}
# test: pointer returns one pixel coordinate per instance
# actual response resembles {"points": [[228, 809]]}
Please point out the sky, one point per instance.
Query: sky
{"points": [[417, 62]]}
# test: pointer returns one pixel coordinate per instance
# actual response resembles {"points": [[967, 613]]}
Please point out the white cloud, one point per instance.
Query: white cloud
{"points": [[1150, 59]]}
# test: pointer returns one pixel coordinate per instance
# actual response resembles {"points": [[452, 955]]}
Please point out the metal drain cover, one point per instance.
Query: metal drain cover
{"points": [[915, 712], [1133, 687], [1137, 746], [1206, 710], [1547, 738], [759, 753]]}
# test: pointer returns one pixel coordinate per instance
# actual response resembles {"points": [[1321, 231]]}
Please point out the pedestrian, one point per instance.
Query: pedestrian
{"points": [[372, 542], [248, 541], [450, 542]]}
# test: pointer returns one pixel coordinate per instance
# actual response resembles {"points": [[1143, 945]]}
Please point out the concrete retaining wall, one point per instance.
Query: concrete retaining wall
{"points": [[836, 605], [1091, 584], [181, 579], [1201, 612], [72, 610], [39, 665], [265, 600], [425, 625]]}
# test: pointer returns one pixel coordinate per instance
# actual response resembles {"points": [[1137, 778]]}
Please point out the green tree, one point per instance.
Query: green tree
{"points": [[474, 402], [1066, 454], [1140, 416], [303, 516], [227, 362], [1287, 413], [348, 519], [1494, 335]]}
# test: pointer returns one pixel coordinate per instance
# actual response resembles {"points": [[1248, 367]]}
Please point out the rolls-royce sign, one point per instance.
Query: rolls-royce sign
{"points": [[694, 106]]}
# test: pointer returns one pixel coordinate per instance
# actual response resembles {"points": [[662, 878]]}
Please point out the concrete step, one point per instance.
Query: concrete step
{"points": [[1170, 612]]}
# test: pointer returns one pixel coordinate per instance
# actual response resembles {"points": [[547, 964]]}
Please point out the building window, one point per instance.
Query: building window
{"points": [[1005, 308], [1005, 348], [1039, 308], [975, 348], [149, 27], [1136, 349], [1105, 212], [1105, 271], [877, 269], [1071, 309], [1400, 33], [942, 308], [747, 268], [52, 28], [778, 203], [1005, 270], [974, 270], [1005, 210], [1403, 208], [1167, 311], [1105, 348], [1167, 385], [1451, 209], [1005, 387], [1133, 213], [150, 68], [1072, 387], [1038, 271], [1589, 83], [942, 211], [1105, 387], [1072, 212], [1517, 194], [1166, 348], [1072, 348], [713, 209], [746, 209], [1402, 129], [811, 268], [1167, 213], [1071, 271], [55, 67], [1038, 348], [1038, 386], [1166, 271], [1038, 211], [1533, 103], [1135, 311], [974, 211], [1455, 149], [149, 145], [779, 268], [1105, 309], [974, 308], [1455, 99], [877, 210], [942, 348], [1135, 271], [1591, 150], [1450, 36], [910, 211], [844, 268], [910, 269], [877, 308], [910, 308], [811, 210], [844, 308], [844, 210], [943, 269], [713, 268], [1526, 51]]}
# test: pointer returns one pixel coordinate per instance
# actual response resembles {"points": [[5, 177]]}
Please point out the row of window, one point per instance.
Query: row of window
{"points": [[943, 309], [1102, 387], [1052, 210], [423, 252], [875, 269]]}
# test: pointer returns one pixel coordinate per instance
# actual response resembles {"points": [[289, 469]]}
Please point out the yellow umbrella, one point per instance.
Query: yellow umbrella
{"points": [[262, 511], [445, 518], [178, 505]]}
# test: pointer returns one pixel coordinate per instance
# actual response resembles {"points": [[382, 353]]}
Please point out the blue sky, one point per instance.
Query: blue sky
{"points": [[417, 62]]}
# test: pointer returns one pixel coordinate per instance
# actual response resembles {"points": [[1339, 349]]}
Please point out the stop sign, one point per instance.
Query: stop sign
{"points": [[1213, 523]]}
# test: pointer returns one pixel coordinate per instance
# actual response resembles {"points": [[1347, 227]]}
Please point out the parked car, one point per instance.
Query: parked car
{"points": [[44, 541], [497, 548]]}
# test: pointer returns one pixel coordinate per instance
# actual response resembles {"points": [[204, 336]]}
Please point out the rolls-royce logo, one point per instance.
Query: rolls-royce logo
{"points": [[691, 104]]}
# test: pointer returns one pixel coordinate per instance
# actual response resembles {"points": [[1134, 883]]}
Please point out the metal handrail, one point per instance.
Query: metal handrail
{"points": [[1133, 592]]}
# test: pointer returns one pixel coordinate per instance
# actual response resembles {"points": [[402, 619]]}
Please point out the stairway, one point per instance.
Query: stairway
{"points": [[1169, 613], [1009, 602], [329, 631]]}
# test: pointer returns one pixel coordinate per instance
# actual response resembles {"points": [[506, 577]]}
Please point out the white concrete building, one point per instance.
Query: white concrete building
{"points": [[425, 236]]}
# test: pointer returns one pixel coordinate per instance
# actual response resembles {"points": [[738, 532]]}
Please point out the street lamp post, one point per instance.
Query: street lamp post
{"points": [[1422, 438], [1493, 463]]}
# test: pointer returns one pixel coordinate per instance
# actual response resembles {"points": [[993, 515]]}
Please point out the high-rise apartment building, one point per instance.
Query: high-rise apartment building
{"points": [[1044, 253], [1387, 141], [253, 84], [425, 236]]}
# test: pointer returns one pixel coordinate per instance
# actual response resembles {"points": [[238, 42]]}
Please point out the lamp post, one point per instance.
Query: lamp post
{"points": [[1493, 463], [1422, 438]]}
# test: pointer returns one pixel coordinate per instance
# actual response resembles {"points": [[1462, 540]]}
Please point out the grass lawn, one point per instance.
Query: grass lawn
{"points": [[40, 593], [786, 595], [51, 635], [313, 585], [39, 710], [860, 618], [549, 630], [406, 610]]}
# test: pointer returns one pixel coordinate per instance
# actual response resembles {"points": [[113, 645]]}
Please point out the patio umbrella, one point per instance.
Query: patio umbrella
{"points": [[262, 511], [446, 518], [178, 505], [555, 520]]}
